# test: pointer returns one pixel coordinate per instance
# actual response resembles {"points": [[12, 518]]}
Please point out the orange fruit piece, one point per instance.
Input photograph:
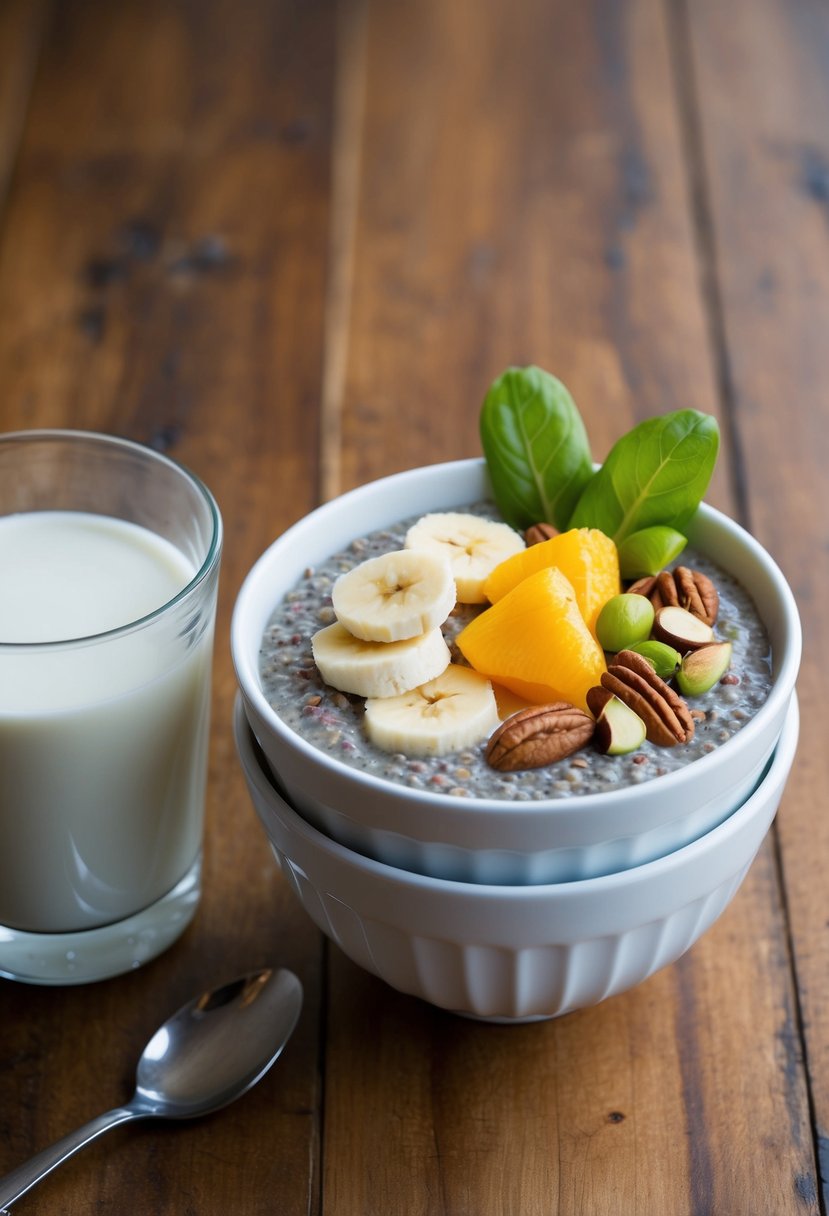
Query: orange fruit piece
{"points": [[508, 702], [535, 642], [585, 556]]}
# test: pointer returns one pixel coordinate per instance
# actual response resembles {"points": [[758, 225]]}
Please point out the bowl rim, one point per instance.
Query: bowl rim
{"points": [[777, 769], [248, 678]]}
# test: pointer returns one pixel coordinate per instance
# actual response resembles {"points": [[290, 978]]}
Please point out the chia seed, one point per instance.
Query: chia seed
{"points": [[332, 720]]}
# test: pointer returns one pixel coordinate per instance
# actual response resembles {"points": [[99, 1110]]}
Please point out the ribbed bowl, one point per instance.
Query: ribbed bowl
{"points": [[514, 953], [491, 840]]}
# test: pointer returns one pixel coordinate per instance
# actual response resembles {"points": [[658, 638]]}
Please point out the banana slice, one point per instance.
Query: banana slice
{"points": [[474, 547], [395, 596], [377, 669], [454, 711]]}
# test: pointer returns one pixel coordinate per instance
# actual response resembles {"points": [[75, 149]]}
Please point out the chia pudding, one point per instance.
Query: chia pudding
{"points": [[333, 720]]}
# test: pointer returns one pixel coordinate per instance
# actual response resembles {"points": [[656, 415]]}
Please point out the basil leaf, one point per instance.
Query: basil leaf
{"points": [[536, 447], [655, 474]]}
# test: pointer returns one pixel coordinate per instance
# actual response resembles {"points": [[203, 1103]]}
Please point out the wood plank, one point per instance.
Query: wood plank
{"points": [[510, 213], [162, 274], [349, 114], [22, 25], [762, 77], [513, 213]]}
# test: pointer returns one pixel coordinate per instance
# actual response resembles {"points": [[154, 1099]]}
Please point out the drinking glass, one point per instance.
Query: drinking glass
{"points": [[108, 574]]}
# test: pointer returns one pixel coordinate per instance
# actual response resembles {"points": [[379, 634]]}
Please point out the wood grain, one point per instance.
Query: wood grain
{"points": [[558, 230], [22, 25], [655, 1101], [763, 84], [346, 151], [162, 276], [511, 213], [291, 242]]}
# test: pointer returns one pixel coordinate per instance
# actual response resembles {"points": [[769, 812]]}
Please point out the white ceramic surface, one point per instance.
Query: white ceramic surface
{"points": [[489, 840], [514, 953]]}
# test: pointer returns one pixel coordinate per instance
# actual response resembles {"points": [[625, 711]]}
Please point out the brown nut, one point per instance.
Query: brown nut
{"points": [[597, 698], [538, 533], [679, 628], [666, 716], [539, 735], [681, 588]]}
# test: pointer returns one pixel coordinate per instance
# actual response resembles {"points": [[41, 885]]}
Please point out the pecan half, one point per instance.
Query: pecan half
{"points": [[667, 718], [681, 588], [539, 532], [539, 735]]}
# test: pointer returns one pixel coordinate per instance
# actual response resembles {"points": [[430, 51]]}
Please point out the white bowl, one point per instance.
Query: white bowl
{"points": [[493, 840], [514, 953]]}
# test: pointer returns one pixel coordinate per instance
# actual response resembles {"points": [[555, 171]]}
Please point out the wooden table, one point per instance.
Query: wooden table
{"points": [[291, 242]]}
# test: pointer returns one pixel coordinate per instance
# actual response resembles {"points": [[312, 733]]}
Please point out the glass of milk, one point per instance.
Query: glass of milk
{"points": [[109, 565]]}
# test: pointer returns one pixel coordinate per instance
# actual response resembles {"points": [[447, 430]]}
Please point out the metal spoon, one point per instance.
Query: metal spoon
{"points": [[209, 1053]]}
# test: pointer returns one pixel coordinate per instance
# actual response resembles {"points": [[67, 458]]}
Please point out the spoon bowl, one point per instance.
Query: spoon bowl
{"points": [[219, 1045], [210, 1052]]}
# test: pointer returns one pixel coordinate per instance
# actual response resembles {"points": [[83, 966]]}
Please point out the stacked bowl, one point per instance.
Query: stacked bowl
{"points": [[502, 910]]}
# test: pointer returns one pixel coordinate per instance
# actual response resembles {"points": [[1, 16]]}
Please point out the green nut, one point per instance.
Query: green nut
{"points": [[701, 669], [649, 551], [662, 657], [625, 620], [619, 729]]}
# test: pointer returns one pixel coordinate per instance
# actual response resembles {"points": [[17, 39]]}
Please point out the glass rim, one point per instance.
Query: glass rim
{"points": [[101, 438]]}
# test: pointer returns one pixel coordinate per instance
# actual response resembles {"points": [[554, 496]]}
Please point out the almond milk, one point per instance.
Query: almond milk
{"points": [[103, 729]]}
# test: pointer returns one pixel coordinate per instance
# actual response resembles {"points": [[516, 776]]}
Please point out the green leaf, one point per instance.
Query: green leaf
{"points": [[536, 447], [649, 550], [655, 474]]}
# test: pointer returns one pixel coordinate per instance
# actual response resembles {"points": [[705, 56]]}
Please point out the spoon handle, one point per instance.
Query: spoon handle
{"points": [[25, 1176]]}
